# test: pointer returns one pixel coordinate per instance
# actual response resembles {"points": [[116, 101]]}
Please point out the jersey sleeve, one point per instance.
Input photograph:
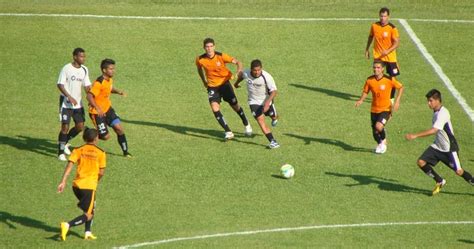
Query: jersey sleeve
{"points": [[62, 77], [396, 84], [75, 155], [270, 82], [102, 160], [95, 89], [198, 64], [227, 58], [87, 81], [366, 87], [441, 119]]}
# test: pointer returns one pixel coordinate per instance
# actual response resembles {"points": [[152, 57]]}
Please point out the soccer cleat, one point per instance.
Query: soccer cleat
{"points": [[127, 155], [229, 135], [67, 151], [383, 148], [438, 187], [90, 236], [377, 149], [62, 157], [274, 122], [248, 130], [273, 145], [64, 230]]}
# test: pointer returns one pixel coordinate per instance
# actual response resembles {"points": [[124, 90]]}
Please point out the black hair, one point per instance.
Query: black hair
{"points": [[77, 51], [89, 135], [435, 94], [383, 10], [379, 62], [106, 63], [255, 63], [208, 40]]}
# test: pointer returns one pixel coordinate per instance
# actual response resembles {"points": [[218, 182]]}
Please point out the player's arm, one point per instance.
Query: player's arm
{"points": [[396, 105], [239, 79], [425, 133], [269, 100], [395, 43], [201, 75], [367, 47], [101, 173], [119, 92], [361, 99], [66, 173], [65, 93], [239, 66], [90, 98]]}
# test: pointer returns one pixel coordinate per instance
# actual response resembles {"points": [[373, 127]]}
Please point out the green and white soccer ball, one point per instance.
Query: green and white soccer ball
{"points": [[287, 171]]}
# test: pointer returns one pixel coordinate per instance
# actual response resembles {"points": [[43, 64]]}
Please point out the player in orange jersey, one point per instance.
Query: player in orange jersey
{"points": [[91, 163], [100, 106], [386, 41], [215, 77], [381, 86]]}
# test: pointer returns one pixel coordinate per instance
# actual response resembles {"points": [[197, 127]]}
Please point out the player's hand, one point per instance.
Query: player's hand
{"points": [[100, 112], [266, 107], [410, 136], [358, 103], [236, 85], [123, 94], [367, 54], [61, 187], [383, 54], [72, 100]]}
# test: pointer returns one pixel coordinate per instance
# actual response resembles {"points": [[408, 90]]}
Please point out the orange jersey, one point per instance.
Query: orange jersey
{"points": [[216, 71], [101, 89], [383, 39], [89, 159], [381, 90]]}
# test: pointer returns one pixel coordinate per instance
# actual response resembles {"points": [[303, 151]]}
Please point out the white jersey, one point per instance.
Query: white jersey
{"points": [[73, 79], [259, 88], [444, 140]]}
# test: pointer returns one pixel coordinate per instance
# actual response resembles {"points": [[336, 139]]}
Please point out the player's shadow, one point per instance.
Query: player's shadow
{"points": [[192, 131], [37, 145], [467, 241], [329, 92], [387, 184], [12, 221], [329, 141]]}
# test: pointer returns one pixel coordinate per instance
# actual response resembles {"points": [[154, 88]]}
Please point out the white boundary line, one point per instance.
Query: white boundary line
{"points": [[439, 71], [288, 229], [222, 18]]}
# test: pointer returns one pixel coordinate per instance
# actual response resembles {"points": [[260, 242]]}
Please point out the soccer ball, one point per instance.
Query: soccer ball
{"points": [[287, 171]]}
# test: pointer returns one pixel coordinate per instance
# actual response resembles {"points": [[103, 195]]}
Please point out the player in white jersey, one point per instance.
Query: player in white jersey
{"points": [[445, 148], [73, 77], [261, 93]]}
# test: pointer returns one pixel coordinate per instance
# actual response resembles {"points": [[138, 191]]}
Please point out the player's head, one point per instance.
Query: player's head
{"points": [[209, 46], [256, 68], [79, 55], [434, 99], [90, 135], [378, 67], [108, 67], [384, 14]]}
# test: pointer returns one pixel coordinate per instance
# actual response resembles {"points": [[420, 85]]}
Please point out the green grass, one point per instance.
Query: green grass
{"points": [[184, 180]]}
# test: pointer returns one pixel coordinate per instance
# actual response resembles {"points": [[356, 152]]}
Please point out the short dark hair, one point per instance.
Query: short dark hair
{"points": [[106, 63], [89, 135], [77, 51], [383, 10], [208, 40], [435, 94], [255, 63], [379, 62]]}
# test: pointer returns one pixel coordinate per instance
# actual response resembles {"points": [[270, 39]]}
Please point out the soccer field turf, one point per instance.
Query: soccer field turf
{"points": [[184, 180]]}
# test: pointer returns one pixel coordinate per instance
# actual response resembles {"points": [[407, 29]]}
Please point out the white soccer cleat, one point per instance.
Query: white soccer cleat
{"points": [[62, 157], [229, 135], [248, 130], [273, 145], [274, 122], [67, 151], [381, 148]]}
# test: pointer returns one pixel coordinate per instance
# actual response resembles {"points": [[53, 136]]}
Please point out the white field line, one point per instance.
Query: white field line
{"points": [[439, 71], [289, 229], [223, 18]]}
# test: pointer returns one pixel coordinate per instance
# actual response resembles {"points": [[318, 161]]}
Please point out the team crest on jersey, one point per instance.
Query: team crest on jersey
{"points": [[218, 63], [385, 34], [382, 87]]}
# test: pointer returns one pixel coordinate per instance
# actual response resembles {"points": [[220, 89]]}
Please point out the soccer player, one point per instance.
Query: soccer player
{"points": [[91, 162], [386, 41], [380, 85], [262, 91], [73, 77], [218, 86], [100, 106], [445, 147]]}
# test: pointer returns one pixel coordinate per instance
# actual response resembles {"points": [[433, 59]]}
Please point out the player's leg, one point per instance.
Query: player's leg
{"points": [[452, 161], [63, 137], [228, 95], [273, 114], [86, 204], [214, 102], [79, 119], [375, 134], [113, 120], [381, 121], [392, 70], [427, 160], [257, 112], [101, 126]]}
